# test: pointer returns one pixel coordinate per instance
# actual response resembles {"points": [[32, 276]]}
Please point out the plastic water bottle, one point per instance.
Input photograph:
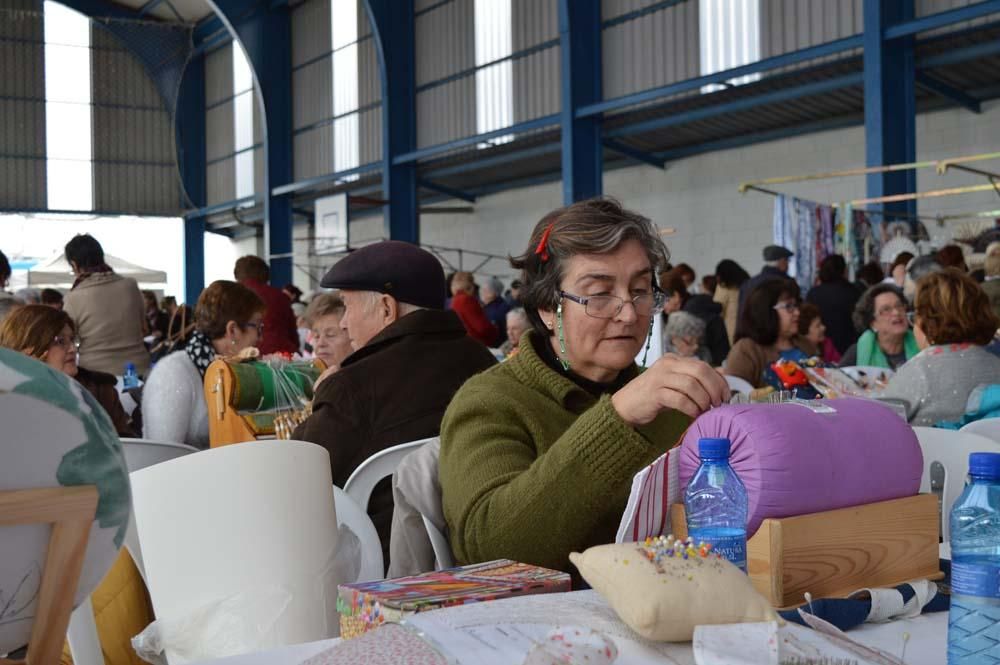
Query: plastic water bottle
{"points": [[715, 502], [130, 379], [974, 618]]}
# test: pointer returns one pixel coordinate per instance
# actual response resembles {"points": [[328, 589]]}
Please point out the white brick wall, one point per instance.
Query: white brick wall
{"points": [[698, 195]]}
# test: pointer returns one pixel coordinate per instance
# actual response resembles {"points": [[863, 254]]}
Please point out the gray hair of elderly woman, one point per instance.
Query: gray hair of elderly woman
{"points": [[684, 324], [864, 309], [594, 226], [922, 265], [494, 285], [323, 304]]}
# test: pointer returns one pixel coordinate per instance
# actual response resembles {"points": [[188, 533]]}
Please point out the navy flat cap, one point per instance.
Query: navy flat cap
{"points": [[776, 253], [404, 271]]}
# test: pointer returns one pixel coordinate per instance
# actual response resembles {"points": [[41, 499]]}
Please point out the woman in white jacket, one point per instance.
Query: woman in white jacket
{"points": [[227, 320]]}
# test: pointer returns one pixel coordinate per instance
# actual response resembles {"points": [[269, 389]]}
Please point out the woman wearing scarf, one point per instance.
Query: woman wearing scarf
{"points": [[227, 320], [108, 311], [887, 340]]}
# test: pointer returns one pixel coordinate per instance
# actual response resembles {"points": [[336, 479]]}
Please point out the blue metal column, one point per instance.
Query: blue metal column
{"points": [[265, 30], [394, 28], [190, 133], [890, 102], [580, 52]]}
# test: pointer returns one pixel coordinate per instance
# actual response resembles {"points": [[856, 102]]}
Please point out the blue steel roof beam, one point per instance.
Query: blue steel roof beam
{"points": [[148, 7], [957, 56], [326, 179], [447, 191], [653, 94], [941, 19], [634, 153], [952, 93], [496, 160], [737, 105], [433, 150]]}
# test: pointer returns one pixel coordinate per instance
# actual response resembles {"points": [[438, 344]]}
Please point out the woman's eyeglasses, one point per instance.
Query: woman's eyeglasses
{"points": [[70, 343], [889, 310], [608, 307], [256, 325], [787, 306]]}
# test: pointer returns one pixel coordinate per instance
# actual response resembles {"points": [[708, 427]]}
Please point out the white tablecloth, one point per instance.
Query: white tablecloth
{"points": [[927, 644]]}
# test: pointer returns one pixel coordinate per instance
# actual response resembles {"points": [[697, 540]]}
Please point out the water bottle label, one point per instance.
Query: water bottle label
{"points": [[732, 548], [975, 579]]}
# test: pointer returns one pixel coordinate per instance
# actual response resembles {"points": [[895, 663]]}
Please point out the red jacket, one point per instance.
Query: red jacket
{"points": [[280, 332], [474, 319]]}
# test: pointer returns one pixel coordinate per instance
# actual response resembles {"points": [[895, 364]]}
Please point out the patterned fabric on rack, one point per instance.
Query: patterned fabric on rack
{"points": [[807, 228], [805, 247]]}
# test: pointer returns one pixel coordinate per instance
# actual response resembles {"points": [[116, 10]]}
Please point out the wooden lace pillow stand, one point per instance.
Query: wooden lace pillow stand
{"points": [[71, 512]]}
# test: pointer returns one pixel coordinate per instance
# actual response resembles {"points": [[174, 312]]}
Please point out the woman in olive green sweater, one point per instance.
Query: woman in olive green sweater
{"points": [[538, 454]]}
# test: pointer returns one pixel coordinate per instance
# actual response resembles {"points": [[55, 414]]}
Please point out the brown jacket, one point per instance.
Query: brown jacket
{"points": [[393, 390], [103, 387], [748, 360], [109, 314]]}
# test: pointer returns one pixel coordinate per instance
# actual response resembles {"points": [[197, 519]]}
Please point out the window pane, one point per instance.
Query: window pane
{"points": [[243, 120], [345, 80], [67, 132], [343, 22], [729, 34], [494, 84], [346, 148], [65, 26], [70, 185], [244, 174], [67, 73], [242, 76]]}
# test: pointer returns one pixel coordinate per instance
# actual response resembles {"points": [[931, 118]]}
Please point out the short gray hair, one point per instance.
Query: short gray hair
{"points": [[594, 226], [518, 312], [922, 265], [323, 304], [684, 324], [495, 285]]}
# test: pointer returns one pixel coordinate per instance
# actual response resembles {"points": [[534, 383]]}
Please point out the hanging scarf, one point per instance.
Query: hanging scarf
{"points": [[102, 268], [871, 354], [201, 352]]}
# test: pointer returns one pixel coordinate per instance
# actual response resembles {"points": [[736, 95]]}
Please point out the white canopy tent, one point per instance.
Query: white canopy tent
{"points": [[55, 272]]}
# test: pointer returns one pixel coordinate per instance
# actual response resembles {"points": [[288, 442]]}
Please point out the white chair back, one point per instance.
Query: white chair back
{"points": [[442, 550], [946, 464], [738, 385], [84, 643], [241, 522], [988, 427], [361, 483], [354, 516]]}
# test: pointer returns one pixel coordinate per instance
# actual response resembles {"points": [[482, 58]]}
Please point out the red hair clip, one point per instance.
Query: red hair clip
{"points": [[543, 250]]}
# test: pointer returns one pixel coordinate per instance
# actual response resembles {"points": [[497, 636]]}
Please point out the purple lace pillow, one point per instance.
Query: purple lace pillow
{"points": [[794, 461]]}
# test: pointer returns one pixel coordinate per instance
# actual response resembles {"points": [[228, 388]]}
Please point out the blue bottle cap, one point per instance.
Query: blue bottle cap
{"points": [[713, 448], [984, 465], [129, 367]]}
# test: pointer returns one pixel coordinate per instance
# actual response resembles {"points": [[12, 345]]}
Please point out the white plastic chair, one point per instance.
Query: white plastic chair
{"points": [[357, 520], [361, 483], [254, 523], [738, 385], [84, 643], [988, 427], [443, 557], [946, 465]]}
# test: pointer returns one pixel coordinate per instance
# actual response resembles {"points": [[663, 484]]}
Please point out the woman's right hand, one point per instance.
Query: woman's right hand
{"points": [[684, 384]]}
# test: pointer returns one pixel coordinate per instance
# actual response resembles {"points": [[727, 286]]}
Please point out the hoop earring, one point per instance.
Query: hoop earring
{"points": [[562, 338]]}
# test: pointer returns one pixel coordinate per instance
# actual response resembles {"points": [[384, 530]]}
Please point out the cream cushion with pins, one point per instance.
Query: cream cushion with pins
{"points": [[663, 597]]}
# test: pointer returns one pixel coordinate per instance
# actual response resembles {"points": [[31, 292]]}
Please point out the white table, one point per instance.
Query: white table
{"points": [[927, 644]]}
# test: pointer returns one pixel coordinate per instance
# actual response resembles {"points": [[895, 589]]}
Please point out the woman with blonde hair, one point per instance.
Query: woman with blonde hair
{"points": [[952, 322], [330, 341], [49, 335]]}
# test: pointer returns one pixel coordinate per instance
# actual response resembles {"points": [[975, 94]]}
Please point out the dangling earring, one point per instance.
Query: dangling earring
{"points": [[232, 341], [562, 338], [649, 339]]}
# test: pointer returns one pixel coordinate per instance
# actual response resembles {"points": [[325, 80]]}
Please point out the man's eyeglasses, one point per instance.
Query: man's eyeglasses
{"points": [[787, 306], [608, 307], [70, 343]]}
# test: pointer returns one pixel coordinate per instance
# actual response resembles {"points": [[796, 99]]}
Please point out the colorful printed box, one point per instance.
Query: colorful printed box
{"points": [[367, 605]]}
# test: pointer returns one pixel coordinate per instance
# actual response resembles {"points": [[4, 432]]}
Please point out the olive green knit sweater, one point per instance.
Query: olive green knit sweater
{"points": [[534, 467]]}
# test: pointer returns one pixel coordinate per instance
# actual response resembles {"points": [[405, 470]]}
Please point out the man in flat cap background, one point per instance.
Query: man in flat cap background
{"points": [[775, 267], [410, 356]]}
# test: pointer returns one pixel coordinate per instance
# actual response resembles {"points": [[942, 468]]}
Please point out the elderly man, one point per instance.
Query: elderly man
{"points": [[517, 323], [495, 307], [775, 267], [410, 356]]}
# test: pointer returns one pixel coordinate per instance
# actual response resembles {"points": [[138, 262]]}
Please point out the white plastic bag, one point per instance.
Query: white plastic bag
{"points": [[239, 624]]}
